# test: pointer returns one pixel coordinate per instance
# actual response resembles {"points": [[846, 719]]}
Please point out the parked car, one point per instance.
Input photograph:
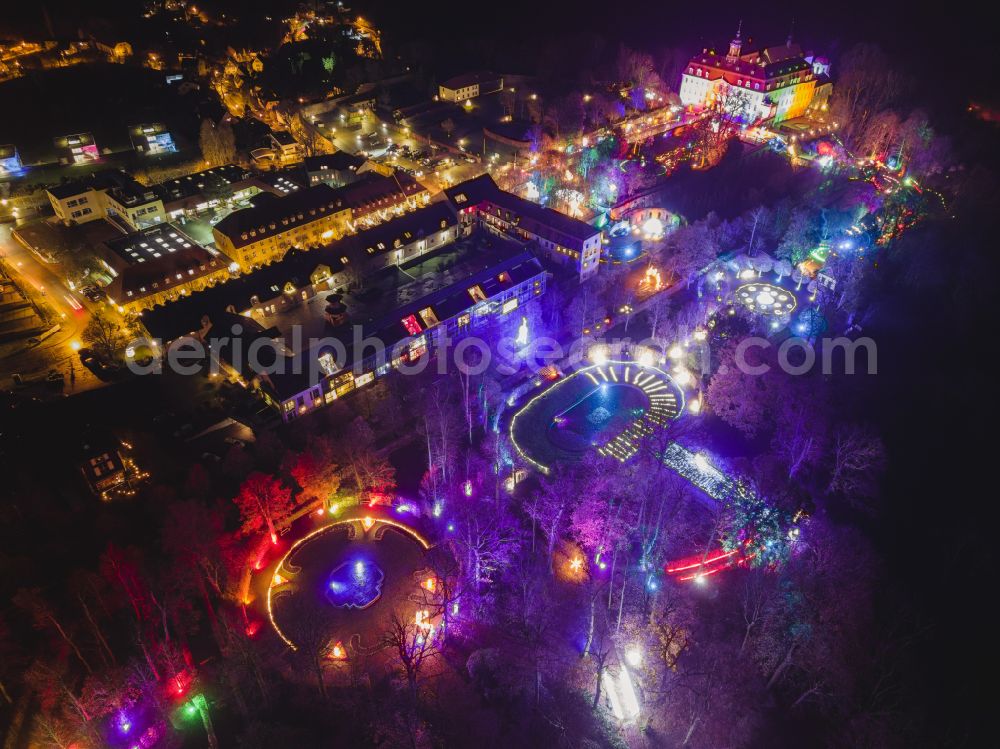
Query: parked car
{"points": [[34, 341], [211, 457], [234, 442]]}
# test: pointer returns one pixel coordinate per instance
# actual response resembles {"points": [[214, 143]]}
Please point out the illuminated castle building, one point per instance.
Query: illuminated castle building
{"points": [[767, 85]]}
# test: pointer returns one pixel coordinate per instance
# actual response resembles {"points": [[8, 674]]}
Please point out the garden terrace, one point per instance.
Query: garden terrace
{"points": [[351, 575], [608, 408]]}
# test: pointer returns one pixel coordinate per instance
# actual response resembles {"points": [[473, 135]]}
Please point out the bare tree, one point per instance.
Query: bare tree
{"points": [[44, 617], [104, 334], [867, 83], [412, 647], [858, 458], [549, 512], [264, 502], [486, 537], [87, 589], [311, 634], [754, 596]]}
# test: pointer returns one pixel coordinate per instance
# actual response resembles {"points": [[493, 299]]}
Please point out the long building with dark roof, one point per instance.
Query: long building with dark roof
{"points": [[322, 374], [464, 285], [335, 169], [302, 274], [469, 86], [157, 266], [254, 237], [201, 191], [563, 238], [376, 198], [313, 216]]}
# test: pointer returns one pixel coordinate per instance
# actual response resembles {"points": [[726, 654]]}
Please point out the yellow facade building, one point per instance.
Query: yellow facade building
{"points": [[257, 236]]}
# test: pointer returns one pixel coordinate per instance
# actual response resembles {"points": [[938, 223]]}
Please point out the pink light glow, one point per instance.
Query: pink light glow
{"points": [[706, 573], [691, 562]]}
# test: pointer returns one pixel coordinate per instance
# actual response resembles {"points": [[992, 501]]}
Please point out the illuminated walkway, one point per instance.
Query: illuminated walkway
{"points": [[697, 469], [663, 405]]}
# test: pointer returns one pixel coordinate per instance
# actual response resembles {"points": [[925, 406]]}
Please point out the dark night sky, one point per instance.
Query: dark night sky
{"points": [[933, 44], [949, 44]]}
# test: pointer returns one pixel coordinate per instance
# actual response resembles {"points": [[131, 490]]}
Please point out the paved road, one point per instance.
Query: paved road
{"points": [[73, 313], [353, 141]]}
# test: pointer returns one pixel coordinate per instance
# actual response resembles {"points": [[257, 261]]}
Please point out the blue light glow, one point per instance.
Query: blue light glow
{"points": [[355, 585]]}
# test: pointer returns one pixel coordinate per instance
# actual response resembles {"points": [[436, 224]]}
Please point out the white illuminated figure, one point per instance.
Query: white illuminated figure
{"points": [[634, 657], [652, 228], [522, 333]]}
